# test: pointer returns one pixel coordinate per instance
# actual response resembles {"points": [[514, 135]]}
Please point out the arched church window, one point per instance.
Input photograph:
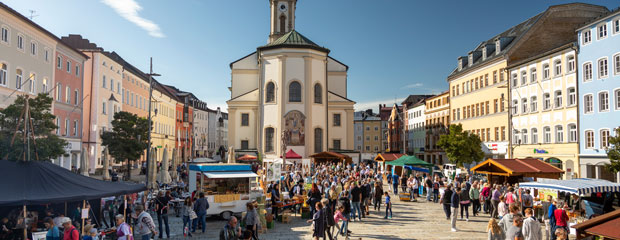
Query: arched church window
{"points": [[269, 139], [294, 92], [318, 94], [282, 24], [318, 140], [270, 95]]}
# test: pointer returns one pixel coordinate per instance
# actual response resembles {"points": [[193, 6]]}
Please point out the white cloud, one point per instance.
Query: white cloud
{"points": [[374, 105], [129, 9], [414, 85]]}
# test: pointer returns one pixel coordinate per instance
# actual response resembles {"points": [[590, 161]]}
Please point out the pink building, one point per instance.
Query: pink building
{"points": [[67, 105]]}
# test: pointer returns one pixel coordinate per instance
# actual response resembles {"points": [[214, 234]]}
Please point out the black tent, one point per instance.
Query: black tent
{"points": [[37, 182]]}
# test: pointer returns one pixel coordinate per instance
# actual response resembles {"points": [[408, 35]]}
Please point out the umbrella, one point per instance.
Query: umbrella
{"points": [[106, 164], [165, 175], [174, 163], [247, 157], [84, 162], [152, 170]]}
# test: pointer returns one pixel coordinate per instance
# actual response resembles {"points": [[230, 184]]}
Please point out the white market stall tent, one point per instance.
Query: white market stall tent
{"points": [[578, 186]]}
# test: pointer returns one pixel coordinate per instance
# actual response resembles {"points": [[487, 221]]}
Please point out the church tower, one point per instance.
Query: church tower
{"points": [[282, 18]]}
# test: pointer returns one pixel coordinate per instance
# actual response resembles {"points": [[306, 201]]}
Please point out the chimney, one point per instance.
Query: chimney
{"points": [[462, 61]]}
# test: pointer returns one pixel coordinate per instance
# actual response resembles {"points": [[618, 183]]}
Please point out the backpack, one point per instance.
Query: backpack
{"points": [[62, 233], [527, 201]]}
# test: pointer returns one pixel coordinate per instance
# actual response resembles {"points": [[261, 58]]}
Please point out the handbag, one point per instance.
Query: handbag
{"points": [[192, 215]]}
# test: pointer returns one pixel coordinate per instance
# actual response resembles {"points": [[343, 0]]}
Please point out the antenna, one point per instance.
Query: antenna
{"points": [[32, 14]]}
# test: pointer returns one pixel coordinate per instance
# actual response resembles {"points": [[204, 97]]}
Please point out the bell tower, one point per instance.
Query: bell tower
{"points": [[282, 17]]}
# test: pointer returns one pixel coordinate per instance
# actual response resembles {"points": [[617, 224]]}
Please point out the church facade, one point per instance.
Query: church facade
{"points": [[289, 92]]}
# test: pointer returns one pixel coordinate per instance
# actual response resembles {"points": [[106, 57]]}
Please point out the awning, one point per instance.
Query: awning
{"points": [[230, 174], [579, 186]]}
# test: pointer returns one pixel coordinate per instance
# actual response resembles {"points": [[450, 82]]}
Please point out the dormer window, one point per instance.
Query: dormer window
{"points": [[470, 59], [460, 64], [498, 47], [484, 53]]}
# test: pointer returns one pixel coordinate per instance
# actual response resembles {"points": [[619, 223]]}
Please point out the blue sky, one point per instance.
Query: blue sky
{"points": [[393, 48]]}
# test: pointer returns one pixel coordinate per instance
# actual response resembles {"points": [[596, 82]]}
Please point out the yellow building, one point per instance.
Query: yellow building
{"points": [[163, 113]]}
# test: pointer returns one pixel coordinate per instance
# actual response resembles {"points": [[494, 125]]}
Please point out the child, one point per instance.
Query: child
{"points": [[340, 216], [388, 205], [494, 231]]}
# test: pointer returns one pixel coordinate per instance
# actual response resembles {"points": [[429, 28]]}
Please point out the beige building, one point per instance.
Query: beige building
{"points": [[163, 115], [437, 113], [367, 132], [289, 88]]}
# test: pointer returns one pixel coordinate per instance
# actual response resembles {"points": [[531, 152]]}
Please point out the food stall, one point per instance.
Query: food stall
{"points": [[228, 187]]}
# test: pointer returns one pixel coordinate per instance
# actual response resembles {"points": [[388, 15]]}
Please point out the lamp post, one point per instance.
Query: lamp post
{"points": [[148, 148]]}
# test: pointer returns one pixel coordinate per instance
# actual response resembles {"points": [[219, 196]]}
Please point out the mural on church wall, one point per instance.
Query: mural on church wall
{"points": [[294, 124]]}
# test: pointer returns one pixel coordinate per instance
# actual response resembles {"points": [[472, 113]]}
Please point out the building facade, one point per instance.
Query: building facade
{"points": [[367, 132], [416, 130], [201, 128], [437, 114], [68, 95], [396, 130], [289, 88], [599, 93], [163, 117]]}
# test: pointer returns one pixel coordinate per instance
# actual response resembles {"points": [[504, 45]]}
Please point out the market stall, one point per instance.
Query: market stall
{"points": [[412, 161], [383, 158], [515, 170], [228, 187], [602, 227], [331, 157], [28, 186]]}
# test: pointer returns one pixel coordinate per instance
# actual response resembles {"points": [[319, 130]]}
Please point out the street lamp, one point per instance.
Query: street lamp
{"points": [[148, 148]]}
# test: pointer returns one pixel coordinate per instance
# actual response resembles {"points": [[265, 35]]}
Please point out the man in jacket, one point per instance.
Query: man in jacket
{"points": [[531, 227], [200, 207], [230, 231], [454, 207], [145, 227]]}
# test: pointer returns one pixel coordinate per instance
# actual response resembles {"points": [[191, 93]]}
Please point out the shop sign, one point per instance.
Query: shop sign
{"points": [[542, 151]]}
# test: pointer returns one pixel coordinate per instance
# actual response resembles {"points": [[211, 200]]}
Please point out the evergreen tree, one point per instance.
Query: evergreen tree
{"points": [[48, 144]]}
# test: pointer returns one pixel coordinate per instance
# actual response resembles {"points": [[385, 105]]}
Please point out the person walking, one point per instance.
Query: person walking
{"points": [[464, 201], [346, 211], [531, 227], [485, 195], [230, 231], [428, 184], [527, 201], [340, 216], [251, 220], [356, 197], [187, 213], [70, 232], [123, 230], [388, 206], [314, 196], [328, 214], [502, 208], [377, 197], [318, 222], [495, 201], [161, 203], [53, 233], [494, 231], [145, 227], [561, 219], [200, 207], [474, 195], [446, 200], [551, 215], [395, 179], [275, 198], [508, 219], [454, 205], [436, 185]]}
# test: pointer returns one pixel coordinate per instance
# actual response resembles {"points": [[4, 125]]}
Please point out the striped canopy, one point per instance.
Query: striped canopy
{"points": [[579, 186]]}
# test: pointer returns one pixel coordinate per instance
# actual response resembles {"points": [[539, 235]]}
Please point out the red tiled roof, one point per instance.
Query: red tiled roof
{"points": [[517, 166], [389, 156]]}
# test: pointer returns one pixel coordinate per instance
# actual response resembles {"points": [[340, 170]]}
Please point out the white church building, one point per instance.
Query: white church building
{"points": [[289, 90]]}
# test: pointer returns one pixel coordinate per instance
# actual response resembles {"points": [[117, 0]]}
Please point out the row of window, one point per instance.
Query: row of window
{"points": [[161, 128], [603, 138], [485, 134], [67, 65], [359, 148], [134, 100], [602, 68], [477, 83], [359, 138], [523, 137], [67, 95], [532, 106], [74, 132], [6, 39], [601, 31], [20, 82], [294, 92], [603, 102], [478, 109], [415, 114], [557, 71], [245, 120], [104, 84]]}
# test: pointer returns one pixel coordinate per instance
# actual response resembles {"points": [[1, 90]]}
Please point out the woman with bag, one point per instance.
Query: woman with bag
{"points": [[251, 220], [465, 201], [188, 215]]}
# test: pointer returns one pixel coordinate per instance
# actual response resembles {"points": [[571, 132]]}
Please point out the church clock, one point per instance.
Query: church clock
{"points": [[283, 7]]}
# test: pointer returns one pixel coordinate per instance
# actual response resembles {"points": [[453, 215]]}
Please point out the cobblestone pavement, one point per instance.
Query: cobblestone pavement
{"points": [[411, 220]]}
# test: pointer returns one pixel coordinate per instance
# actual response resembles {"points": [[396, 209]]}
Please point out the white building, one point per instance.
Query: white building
{"points": [[217, 132], [416, 133], [290, 87], [201, 128]]}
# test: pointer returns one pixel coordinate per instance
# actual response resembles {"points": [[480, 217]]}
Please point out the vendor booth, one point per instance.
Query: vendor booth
{"points": [[228, 187], [383, 158], [515, 170], [333, 157], [584, 188], [604, 227], [28, 187], [398, 166]]}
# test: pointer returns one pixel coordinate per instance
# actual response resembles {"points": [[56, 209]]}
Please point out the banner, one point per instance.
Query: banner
{"points": [[273, 172], [543, 193]]}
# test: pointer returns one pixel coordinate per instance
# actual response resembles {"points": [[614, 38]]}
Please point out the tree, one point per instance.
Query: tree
{"points": [[613, 152], [461, 147], [128, 138], [48, 145]]}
